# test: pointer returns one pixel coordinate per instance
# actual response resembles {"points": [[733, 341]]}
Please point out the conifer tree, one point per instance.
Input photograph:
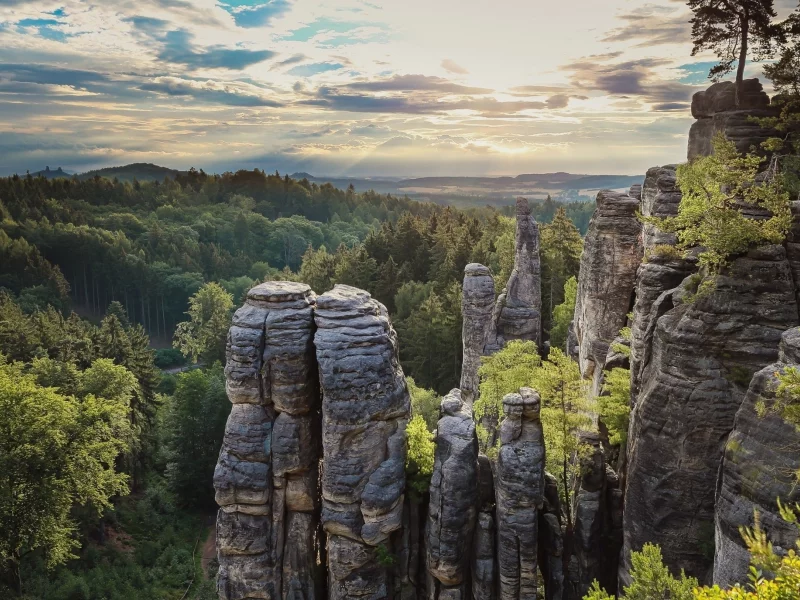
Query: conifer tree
{"points": [[728, 28]]}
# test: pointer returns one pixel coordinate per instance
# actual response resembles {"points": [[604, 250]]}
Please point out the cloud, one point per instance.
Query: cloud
{"points": [[452, 66], [288, 62], [339, 99], [634, 78], [314, 69], [652, 25], [177, 47], [412, 83], [230, 94]]}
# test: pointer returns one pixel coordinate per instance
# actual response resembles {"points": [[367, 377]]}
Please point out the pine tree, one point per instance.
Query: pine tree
{"points": [[728, 27], [561, 248]]}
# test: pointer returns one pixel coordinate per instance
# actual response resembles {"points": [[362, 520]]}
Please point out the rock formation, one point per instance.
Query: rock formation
{"points": [[453, 505], [704, 353], [518, 312], [660, 271], [484, 566], [365, 407], [716, 112], [519, 489], [598, 524], [611, 255], [762, 458], [477, 306], [266, 477], [551, 541]]}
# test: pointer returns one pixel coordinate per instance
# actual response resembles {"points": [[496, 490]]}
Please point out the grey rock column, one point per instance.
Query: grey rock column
{"points": [[453, 505], [704, 353], [477, 305], [612, 253], [265, 480], [365, 409], [519, 489]]}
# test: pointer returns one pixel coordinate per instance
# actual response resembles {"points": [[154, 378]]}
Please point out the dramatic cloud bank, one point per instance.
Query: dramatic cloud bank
{"points": [[346, 86]]}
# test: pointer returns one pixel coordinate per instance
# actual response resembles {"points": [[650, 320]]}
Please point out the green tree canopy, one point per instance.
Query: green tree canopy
{"points": [[204, 334], [56, 452]]}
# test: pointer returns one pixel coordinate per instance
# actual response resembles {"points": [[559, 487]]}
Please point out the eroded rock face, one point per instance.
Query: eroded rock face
{"points": [[611, 255], [705, 351], [598, 524], [265, 480], [660, 271], [551, 541], [477, 306], [454, 497], [518, 312], [519, 490], [762, 457], [365, 409], [716, 112]]}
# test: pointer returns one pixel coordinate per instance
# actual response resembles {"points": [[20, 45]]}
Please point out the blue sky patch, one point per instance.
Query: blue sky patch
{"points": [[47, 28], [307, 32], [314, 69], [696, 73], [255, 13]]}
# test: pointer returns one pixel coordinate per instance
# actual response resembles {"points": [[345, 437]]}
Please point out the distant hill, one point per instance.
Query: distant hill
{"points": [[49, 173], [138, 171]]}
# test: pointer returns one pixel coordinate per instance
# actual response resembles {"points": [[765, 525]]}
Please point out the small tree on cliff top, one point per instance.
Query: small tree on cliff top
{"points": [[727, 27], [714, 190]]}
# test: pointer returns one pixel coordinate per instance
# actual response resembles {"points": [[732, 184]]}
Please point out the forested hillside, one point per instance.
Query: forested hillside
{"points": [[151, 245], [99, 278]]}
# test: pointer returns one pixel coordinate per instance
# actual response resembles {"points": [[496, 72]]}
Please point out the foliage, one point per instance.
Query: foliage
{"points": [[787, 397], [663, 252], [650, 580], [785, 76], [204, 334], [714, 188], [773, 576], [563, 314], [615, 404], [419, 460], [566, 410], [565, 405], [425, 403], [728, 27], [561, 247], [502, 373], [194, 425], [56, 452], [147, 555]]}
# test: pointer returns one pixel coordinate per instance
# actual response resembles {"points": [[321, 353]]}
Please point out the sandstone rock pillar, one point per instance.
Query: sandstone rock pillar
{"points": [[265, 480], [518, 312], [453, 505], [612, 253], [477, 306], [519, 489], [365, 409]]}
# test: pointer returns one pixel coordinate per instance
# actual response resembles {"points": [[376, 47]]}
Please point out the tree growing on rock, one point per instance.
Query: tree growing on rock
{"points": [[715, 190], [729, 28]]}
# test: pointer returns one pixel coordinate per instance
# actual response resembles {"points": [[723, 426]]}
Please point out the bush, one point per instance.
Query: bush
{"points": [[167, 358]]}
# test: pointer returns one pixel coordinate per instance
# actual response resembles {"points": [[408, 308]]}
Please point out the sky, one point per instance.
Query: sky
{"points": [[349, 87]]}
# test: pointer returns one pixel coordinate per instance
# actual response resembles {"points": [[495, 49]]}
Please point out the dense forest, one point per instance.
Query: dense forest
{"points": [[100, 278]]}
